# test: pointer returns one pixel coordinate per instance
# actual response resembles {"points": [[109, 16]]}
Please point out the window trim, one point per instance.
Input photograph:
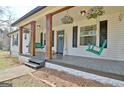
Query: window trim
{"points": [[80, 33]]}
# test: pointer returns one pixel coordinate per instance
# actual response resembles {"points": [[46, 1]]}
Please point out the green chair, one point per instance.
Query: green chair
{"points": [[39, 45], [100, 49]]}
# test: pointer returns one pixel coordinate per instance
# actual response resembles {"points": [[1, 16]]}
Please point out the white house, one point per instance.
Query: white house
{"points": [[73, 41], [43, 32]]}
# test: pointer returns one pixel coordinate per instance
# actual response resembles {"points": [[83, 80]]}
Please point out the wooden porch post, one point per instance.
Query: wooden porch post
{"points": [[21, 41], [49, 36], [32, 45]]}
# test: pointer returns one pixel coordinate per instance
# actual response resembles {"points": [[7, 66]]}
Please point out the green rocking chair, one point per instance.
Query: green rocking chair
{"points": [[91, 48], [39, 45]]}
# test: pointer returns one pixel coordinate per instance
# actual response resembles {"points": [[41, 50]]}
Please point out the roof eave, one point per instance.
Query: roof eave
{"points": [[35, 10]]}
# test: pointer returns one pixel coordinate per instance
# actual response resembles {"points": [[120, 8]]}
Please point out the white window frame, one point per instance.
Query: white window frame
{"points": [[95, 34]]}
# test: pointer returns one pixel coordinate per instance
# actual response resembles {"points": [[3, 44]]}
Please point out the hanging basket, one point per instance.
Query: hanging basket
{"points": [[95, 12], [67, 19]]}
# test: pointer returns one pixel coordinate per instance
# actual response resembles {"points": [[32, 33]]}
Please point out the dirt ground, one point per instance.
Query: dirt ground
{"points": [[46, 77], [26, 81], [6, 61], [62, 79]]}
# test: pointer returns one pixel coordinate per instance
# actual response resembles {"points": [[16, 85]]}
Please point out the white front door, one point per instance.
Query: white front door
{"points": [[26, 43]]}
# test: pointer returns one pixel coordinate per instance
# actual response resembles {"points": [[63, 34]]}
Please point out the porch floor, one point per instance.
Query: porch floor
{"points": [[107, 68]]}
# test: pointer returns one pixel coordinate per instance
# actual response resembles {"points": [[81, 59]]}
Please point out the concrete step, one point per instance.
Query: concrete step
{"points": [[33, 65], [37, 61], [38, 57]]}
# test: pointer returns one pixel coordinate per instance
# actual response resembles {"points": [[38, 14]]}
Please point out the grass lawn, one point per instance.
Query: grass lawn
{"points": [[6, 61]]}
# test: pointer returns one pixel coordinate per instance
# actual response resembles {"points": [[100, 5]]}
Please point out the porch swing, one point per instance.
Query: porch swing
{"points": [[40, 45], [92, 48]]}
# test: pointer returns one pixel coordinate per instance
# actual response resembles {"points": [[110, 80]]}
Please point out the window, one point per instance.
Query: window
{"points": [[74, 38], [1, 34], [15, 40], [25, 36], [88, 35]]}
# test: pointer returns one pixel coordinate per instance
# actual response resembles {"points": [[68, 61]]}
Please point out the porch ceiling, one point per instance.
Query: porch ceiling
{"points": [[75, 13]]}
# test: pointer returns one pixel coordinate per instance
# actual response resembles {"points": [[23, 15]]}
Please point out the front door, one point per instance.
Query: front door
{"points": [[26, 43], [60, 41]]}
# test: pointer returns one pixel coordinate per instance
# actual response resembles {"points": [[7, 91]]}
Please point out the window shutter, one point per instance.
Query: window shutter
{"points": [[103, 32], [17, 40], [52, 38], [74, 38], [41, 38]]}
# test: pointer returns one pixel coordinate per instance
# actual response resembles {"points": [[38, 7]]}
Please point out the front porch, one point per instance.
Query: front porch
{"points": [[108, 68], [70, 39], [102, 67]]}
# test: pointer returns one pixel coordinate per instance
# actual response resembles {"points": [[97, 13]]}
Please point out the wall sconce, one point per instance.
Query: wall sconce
{"points": [[83, 13]]}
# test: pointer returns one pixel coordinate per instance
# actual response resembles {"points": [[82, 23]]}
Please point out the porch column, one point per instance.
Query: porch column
{"points": [[21, 41], [32, 45], [49, 36]]}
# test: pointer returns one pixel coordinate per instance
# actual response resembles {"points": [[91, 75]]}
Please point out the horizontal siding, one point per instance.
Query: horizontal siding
{"points": [[115, 49]]}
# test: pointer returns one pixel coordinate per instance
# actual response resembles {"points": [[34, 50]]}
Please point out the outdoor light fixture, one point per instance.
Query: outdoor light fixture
{"points": [[83, 13]]}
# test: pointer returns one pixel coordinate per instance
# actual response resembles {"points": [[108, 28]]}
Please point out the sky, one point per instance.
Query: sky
{"points": [[19, 11]]}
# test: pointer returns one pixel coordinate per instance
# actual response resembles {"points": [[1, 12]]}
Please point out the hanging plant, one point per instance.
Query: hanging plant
{"points": [[95, 12], [67, 19]]}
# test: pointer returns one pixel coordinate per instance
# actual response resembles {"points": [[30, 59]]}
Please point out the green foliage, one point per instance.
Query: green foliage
{"points": [[95, 12], [67, 19]]}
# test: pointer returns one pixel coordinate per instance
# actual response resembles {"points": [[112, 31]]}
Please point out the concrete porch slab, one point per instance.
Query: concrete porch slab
{"points": [[108, 68]]}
